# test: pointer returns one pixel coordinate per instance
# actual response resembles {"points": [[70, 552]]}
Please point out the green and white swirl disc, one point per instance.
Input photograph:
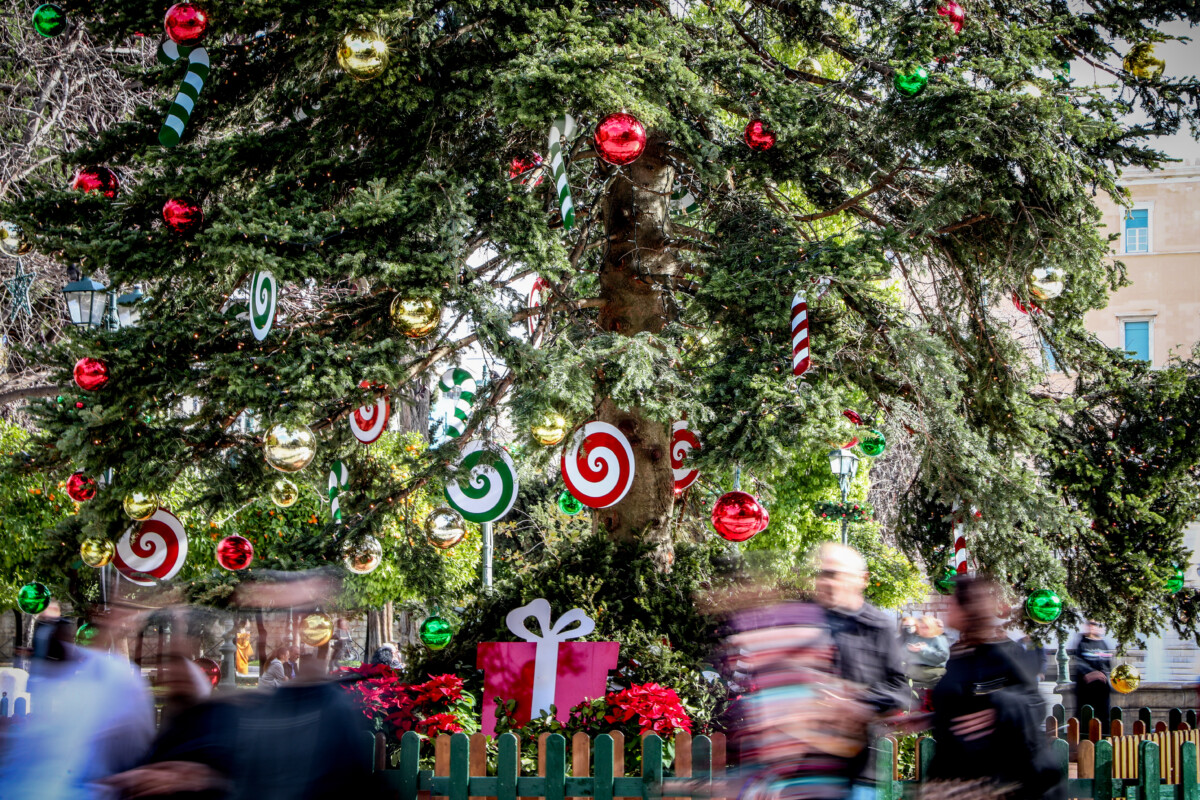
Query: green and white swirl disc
{"points": [[264, 294], [486, 486]]}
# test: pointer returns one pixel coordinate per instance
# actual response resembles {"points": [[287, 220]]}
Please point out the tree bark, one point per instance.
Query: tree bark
{"points": [[637, 264]]}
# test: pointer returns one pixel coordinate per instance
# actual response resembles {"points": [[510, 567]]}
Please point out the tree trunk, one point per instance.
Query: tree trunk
{"points": [[389, 630], [260, 623], [636, 266]]}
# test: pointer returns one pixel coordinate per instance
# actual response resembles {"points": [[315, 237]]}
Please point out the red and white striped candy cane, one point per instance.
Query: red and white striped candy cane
{"points": [[537, 294], [800, 355], [960, 546]]}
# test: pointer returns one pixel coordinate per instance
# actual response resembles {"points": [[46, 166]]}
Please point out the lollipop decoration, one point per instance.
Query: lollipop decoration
{"points": [[491, 487], [801, 359], [235, 552], [368, 423], [339, 481], [683, 441], [462, 381], [598, 467], [189, 90], [264, 295], [562, 128], [156, 552]]}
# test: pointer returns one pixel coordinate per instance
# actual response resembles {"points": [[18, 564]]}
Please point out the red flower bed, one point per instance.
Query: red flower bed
{"points": [[434, 707]]}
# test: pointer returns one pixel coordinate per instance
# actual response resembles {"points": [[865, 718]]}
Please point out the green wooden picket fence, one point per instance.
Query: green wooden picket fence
{"points": [[596, 770]]}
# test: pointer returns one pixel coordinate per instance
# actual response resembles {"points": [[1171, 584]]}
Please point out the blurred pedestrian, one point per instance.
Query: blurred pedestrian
{"points": [[275, 675], [91, 716], [927, 653], [388, 655], [1035, 656], [342, 645], [987, 711], [1091, 663], [867, 652]]}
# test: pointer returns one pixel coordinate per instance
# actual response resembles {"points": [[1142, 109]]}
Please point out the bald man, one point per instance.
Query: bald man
{"points": [[868, 651]]}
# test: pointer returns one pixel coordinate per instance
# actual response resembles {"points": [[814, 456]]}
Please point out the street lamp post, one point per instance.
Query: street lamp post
{"points": [[844, 464], [94, 305]]}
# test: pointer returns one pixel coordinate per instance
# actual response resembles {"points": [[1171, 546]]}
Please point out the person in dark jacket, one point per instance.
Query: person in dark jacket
{"points": [[1091, 663], [987, 711], [867, 650]]}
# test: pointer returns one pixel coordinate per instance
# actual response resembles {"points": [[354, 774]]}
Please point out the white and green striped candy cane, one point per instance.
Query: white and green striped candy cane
{"points": [[462, 380], [562, 128], [185, 100], [339, 481], [683, 202]]}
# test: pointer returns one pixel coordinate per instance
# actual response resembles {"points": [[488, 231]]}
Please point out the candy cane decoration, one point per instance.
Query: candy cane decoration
{"points": [[537, 295], [462, 380], [959, 535], [800, 355], [683, 201], [339, 481], [185, 100], [264, 295], [822, 286], [157, 552], [562, 128], [490, 487], [683, 441], [598, 467], [368, 423], [306, 110]]}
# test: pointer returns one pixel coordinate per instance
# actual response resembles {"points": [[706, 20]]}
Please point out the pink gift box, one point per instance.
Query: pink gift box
{"points": [[508, 668]]}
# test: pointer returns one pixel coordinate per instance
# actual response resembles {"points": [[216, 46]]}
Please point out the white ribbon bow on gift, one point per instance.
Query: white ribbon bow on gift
{"points": [[545, 662]]}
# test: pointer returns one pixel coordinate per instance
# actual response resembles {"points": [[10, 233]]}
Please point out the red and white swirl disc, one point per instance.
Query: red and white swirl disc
{"points": [[368, 423], [156, 553], [683, 441], [598, 466]]}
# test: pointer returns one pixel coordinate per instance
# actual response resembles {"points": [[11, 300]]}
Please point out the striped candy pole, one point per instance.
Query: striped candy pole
{"points": [[537, 294], [800, 355], [185, 100], [462, 380], [959, 535], [562, 128], [308, 108], [683, 201], [339, 481]]}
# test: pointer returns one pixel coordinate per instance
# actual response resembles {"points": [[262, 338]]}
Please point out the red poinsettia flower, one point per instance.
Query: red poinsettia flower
{"points": [[439, 689], [438, 724]]}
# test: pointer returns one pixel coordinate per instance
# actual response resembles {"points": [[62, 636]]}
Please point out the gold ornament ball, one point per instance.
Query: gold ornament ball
{"points": [[316, 630], [415, 316], [13, 241], [362, 554], [445, 528], [1125, 678], [363, 54], [1142, 63], [289, 448], [812, 66], [140, 506], [96, 553], [549, 429], [283, 493]]}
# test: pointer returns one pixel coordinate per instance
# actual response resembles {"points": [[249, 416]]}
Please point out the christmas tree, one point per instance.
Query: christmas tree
{"points": [[340, 200]]}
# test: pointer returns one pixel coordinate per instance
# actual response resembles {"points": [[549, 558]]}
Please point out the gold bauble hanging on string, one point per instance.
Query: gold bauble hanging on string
{"points": [[289, 448], [140, 506], [549, 429], [283, 493], [363, 54], [96, 553], [414, 316]]}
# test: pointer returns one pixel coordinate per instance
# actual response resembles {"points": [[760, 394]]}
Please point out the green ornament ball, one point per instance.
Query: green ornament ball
{"points": [[1044, 606], [1175, 582], [569, 504], [86, 634], [49, 20], [945, 584], [33, 598], [911, 84], [872, 444], [436, 632]]}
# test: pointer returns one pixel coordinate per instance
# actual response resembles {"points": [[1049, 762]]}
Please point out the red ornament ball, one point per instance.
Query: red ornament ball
{"points": [[737, 516], [81, 488], [97, 179], [955, 14], [620, 138], [211, 670], [520, 166], [185, 24], [235, 552], [181, 216], [90, 374], [853, 416], [758, 136], [79, 404]]}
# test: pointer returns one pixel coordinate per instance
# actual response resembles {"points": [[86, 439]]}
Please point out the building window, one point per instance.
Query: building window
{"points": [[1136, 230], [1137, 338]]}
